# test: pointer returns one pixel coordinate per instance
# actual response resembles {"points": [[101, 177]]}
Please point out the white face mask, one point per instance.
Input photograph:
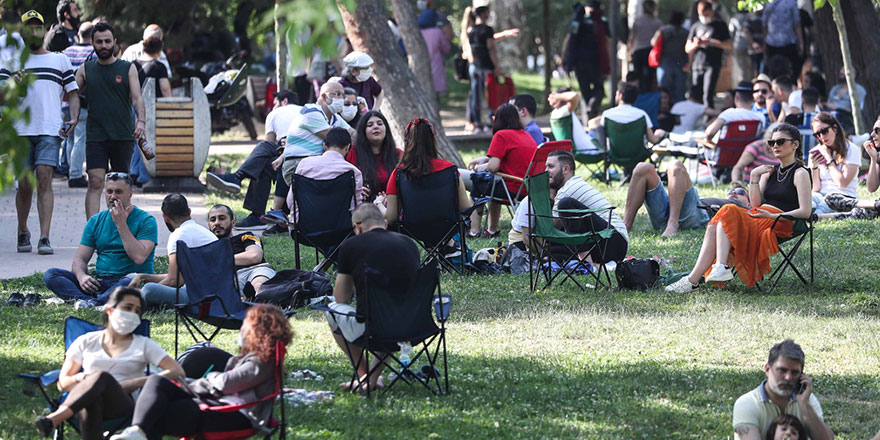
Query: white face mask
{"points": [[705, 20], [124, 322], [348, 112], [422, 5], [364, 75], [336, 105]]}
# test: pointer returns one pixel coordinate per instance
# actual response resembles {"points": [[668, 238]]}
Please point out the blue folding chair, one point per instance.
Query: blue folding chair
{"points": [[73, 328], [322, 213]]}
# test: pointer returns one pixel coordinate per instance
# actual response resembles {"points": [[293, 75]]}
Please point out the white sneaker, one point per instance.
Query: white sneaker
{"points": [[681, 286], [720, 273], [130, 433]]}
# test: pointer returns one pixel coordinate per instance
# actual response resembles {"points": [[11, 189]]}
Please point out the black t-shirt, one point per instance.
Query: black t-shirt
{"points": [[155, 69], [242, 241], [478, 37], [391, 254], [59, 38], [706, 57]]}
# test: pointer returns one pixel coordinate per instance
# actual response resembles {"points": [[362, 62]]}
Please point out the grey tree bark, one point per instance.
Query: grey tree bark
{"points": [[512, 52], [280, 50], [848, 65], [367, 30], [416, 49]]}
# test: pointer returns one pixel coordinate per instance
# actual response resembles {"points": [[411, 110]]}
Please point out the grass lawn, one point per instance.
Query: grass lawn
{"points": [[560, 363]]}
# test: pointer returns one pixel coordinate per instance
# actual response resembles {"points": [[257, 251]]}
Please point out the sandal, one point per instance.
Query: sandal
{"points": [[487, 234]]}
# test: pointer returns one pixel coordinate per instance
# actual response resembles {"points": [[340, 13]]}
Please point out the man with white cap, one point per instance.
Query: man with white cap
{"points": [[357, 73], [135, 52]]}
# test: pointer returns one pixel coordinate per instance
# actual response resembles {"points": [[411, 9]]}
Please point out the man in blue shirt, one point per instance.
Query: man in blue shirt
{"points": [[527, 107], [124, 237]]}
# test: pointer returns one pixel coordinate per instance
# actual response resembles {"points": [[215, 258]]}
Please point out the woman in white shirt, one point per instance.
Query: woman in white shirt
{"points": [[102, 368], [834, 164]]}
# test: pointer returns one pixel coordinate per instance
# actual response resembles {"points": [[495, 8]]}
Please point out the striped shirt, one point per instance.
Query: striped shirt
{"points": [[302, 140], [757, 150], [79, 54], [583, 192]]}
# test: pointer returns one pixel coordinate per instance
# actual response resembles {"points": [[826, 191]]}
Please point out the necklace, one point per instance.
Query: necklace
{"points": [[781, 175]]}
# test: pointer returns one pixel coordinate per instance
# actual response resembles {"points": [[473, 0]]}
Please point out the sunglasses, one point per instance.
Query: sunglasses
{"points": [[779, 142], [821, 132], [737, 191], [876, 130], [761, 91], [114, 176]]}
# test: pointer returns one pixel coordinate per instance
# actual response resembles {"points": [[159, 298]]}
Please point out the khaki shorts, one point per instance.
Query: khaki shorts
{"points": [[288, 167]]}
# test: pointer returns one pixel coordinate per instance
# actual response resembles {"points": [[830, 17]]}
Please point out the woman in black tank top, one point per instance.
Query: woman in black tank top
{"points": [[746, 235]]}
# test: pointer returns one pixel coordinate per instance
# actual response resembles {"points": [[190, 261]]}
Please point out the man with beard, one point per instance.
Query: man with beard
{"points": [[113, 87], [63, 34], [52, 80], [786, 390], [160, 289], [124, 237], [250, 265]]}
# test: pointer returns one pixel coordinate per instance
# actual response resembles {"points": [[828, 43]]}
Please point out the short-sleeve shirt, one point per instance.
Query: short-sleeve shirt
{"points": [[53, 77], [706, 57], [384, 251], [191, 233], [688, 113], [368, 89], [521, 219], [515, 148], [756, 149], [780, 18], [643, 30], [535, 132], [436, 165], [853, 157], [301, 138], [755, 408], [101, 235], [279, 120], [578, 189], [478, 37], [242, 241], [625, 113], [88, 351]]}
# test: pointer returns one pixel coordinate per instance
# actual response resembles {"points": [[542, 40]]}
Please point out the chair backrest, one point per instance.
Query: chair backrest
{"points": [[394, 315], [323, 206], [539, 159], [429, 205], [562, 128], [75, 327], [626, 142], [539, 198], [210, 270], [650, 103], [739, 135]]}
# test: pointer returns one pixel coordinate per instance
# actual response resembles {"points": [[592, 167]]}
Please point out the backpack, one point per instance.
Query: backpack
{"points": [[294, 288], [637, 273]]}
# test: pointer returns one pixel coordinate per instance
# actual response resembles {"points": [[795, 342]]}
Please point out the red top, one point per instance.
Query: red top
{"points": [[515, 148], [436, 165], [382, 174]]}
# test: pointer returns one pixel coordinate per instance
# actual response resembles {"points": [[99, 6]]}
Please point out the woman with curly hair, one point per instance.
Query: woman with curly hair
{"points": [[374, 152], [164, 408]]}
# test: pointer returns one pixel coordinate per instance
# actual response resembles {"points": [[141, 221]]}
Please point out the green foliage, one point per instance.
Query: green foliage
{"points": [[14, 150], [754, 5]]}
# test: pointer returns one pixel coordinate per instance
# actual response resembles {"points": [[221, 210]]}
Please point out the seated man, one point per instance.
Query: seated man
{"points": [[565, 103], [250, 264], [786, 390], [393, 255], [124, 237], [527, 107], [572, 192], [690, 111], [741, 111], [160, 289], [677, 208], [625, 113]]}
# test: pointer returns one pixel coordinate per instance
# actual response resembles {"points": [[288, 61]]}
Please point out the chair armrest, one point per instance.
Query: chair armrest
{"points": [[508, 176], [477, 203], [44, 379], [705, 143], [326, 308], [442, 304], [208, 298], [792, 218]]}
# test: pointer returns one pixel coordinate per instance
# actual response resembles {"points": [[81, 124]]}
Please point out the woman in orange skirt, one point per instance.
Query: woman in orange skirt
{"points": [[745, 236]]}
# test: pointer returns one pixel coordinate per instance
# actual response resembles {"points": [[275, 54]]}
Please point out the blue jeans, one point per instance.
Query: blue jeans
{"points": [[76, 146], [64, 285], [63, 166], [478, 90], [137, 167], [670, 76], [160, 295]]}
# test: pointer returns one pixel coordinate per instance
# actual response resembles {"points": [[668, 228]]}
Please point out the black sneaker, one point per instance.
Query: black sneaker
{"points": [[32, 299], [841, 202], [43, 247], [251, 223], [224, 182], [24, 241], [79, 182], [15, 299], [274, 230]]}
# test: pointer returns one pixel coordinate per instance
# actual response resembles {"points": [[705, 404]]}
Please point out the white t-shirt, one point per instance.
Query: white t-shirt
{"points": [[279, 120], [301, 138], [520, 219], [624, 114], [581, 140], [738, 114], [53, 76], [688, 113], [135, 52], [583, 192], [191, 233], [131, 363], [853, 156]]}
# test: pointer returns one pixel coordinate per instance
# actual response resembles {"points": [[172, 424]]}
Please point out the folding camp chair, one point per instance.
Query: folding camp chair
{"points": [[726, 152], [322, 213], [211, 288], [562, 129], [279, 426], [545, 235], [429, 213], [536, 166], [392, 317], [801, 229], [626, 146], [73, 328]]}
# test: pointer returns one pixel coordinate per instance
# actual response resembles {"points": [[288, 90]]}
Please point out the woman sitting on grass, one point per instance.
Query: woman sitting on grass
{"points": [[835, 166], [374, 153], [113, 362], [164, 408], [774, 191], [863, 209]]}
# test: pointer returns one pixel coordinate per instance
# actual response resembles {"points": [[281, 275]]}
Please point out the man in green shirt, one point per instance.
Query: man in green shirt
{"points": [[123, 236]]}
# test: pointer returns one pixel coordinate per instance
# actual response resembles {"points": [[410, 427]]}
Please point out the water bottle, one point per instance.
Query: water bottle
{"points": [[406, 353]]}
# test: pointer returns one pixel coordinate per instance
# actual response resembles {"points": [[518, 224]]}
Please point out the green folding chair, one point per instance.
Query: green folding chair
{"points": [[626, 145], [562, 129], [801, 229], [545, 234]]}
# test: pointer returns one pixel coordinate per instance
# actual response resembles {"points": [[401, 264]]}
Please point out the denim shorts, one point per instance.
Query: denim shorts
{"points": [[44, 150], [691, 216], [819, 204]]}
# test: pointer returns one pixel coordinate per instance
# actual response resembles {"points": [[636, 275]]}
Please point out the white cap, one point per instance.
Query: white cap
{"points": [[357, 60], [481, 3]]}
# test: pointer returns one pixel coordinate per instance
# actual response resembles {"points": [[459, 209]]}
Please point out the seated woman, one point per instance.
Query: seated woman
{"points": [[113, 362], [756, 154], [834, 163], [164, 408], [510, 152], [863, 209], [745, 235], [374, 152]]}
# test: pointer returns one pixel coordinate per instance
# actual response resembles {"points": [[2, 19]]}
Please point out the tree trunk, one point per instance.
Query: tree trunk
{"points": [[416, 49], [509, 14], [848, 66], [280, 51], [367, 30], [548, 51]]}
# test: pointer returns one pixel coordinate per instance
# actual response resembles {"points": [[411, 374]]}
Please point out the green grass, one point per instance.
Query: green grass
{"points": [[606, 364]]}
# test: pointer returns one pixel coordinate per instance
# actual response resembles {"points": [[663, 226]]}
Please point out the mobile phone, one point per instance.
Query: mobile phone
{"points": [[65, 129], [801, 385]]}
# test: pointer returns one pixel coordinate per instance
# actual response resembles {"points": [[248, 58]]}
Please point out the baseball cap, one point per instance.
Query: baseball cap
{"points": [[32, 15]]}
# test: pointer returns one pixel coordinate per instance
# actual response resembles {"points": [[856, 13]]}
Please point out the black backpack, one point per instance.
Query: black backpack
{"points": [[294, 288], [637, 273]]}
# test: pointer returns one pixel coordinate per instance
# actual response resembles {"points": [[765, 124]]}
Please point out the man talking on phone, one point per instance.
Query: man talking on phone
{"points": [[786, 390]]}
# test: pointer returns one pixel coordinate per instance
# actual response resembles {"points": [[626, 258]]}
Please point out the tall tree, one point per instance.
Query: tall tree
{"points": [[416, 49], [280, 48], [848, 72], [367, 30]]}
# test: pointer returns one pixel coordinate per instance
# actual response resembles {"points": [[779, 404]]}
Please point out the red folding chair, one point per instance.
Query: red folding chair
{"points": [[536, 166], [279, 426], [729, 148]]}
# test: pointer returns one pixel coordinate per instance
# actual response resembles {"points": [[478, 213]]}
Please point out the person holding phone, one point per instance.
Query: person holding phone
{"points": [[834, 164], [858, 208], [786, 390]]}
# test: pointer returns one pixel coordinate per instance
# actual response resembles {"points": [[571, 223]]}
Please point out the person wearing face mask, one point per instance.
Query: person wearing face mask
{"points": [[351, 108], [374, 152], [357, 73], [160, 289], [706, 42], [63, 34], [104, 370], [164, 408]]}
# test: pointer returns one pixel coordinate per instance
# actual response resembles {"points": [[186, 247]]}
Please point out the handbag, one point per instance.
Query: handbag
{"points": [[637, 273], [656, 52], [460, 68]]}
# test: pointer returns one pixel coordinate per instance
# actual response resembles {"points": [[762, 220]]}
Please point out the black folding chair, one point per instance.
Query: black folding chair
{"points": [[322, 213], [801, 229], [73, 328], [391, 317]]}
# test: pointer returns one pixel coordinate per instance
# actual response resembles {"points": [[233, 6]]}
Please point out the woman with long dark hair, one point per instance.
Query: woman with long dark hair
{"points": [[834, 163], [374, 152]]}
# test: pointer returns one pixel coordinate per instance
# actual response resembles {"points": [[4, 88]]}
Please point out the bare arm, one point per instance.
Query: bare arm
{"points": [[344, 288], [170, 278], [656, 37], [739, 169], [377, 101], [392, 212], [493, 165], [817, 184], [81, 78], [691, 46], [714, 127], [464, 201], [816, 426], [69, 375], [747, 432], [252, 255], [137, 101], [805, 200], [843, 178], [507, 33], [165, 87], [72, 98], [654, 136], [80, 269], [137, 250], [873, 168], [172, 370]]}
